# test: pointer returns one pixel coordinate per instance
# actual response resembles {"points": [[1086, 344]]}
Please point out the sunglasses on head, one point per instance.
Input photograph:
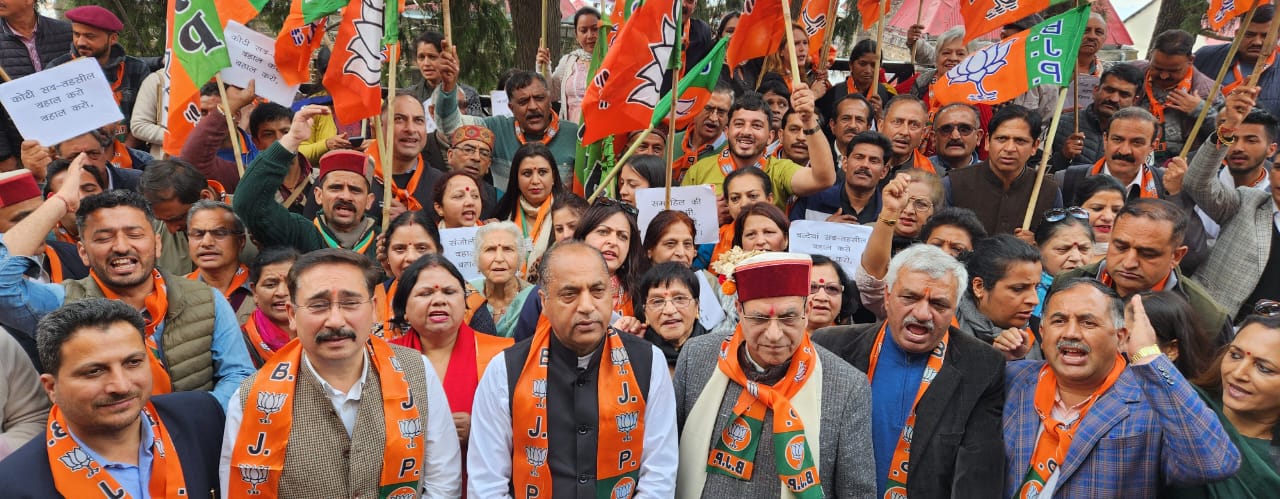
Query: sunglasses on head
{"points": [[1268, 308], [610, 202], [1057, 214]]}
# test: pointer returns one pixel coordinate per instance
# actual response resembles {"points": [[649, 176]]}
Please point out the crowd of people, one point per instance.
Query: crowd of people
{"points": [[173, 325]]}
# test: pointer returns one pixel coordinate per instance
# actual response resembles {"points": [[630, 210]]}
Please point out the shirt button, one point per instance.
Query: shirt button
{"points": [[583, 478], [583, 429]]}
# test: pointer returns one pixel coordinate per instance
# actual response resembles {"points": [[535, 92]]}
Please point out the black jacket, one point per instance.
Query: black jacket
{"points": [[957, 447], [135, 70], [53, 38], [194, 421]]}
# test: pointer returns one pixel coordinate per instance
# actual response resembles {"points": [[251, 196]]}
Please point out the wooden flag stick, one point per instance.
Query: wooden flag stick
{"points": [[1268, 47], [874, 87], [796, 81], [231, 124], [448, 21], [386, 155], [1075, 86], [919, 17], [631, 150], [1222, 75], [542, 43], [1044, 160], [828, 35]]}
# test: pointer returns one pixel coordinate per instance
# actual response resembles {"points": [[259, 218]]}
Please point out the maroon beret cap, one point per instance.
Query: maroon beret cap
{"points": [[96, 17]]}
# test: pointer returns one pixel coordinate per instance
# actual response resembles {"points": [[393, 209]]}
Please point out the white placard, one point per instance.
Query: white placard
{"points": [[499, 103], [816, 216], [1088, 83], [841, 242], [428, 109], [61, 102], [253, 57], [697, 201], [459, 247]]}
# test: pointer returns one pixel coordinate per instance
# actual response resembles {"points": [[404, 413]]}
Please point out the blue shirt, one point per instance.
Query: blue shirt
{"points": [[893, 391], [134, 479], [24, 301]]}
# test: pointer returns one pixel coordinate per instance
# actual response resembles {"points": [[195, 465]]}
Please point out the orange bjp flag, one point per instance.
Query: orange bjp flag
{"points": [[354, 76], [626, 89], [813, 16], [760, 32], [870, 13], [1222, 12], [296, 42], [984, 16]]}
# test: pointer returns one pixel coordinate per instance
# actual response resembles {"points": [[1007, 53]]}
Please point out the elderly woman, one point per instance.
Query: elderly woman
{"points": [[569, 81], [1001, 292], [667, 299], [1065, 240], [907, 202], [268, 328], [1241, 387], [409, 236], [829, 304], [430, 307], [669, 238], [531, 191], [495, 305], [457, 201]]}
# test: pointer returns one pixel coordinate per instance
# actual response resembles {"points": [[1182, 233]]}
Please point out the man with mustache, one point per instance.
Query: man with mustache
{"points": [[936, 392], [472, 151], [748, 133], [1084, 420], [957, 131], [1117, 89], [110, 432], [705, 136], [792, 139], [1128, 143], [602, 396], [217, 236], [765, 411], [95, 33], [414, 179], [856, 199], [1089, 67], [1174, 91], [193, 338], [29, 42], [342, 190], [852, 116], [172, 186], [339, 412], [1210, 58], [906, 122]]}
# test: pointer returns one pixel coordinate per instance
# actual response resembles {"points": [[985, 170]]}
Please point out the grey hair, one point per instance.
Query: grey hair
{"points": [[951, 35], [928, 259], [1115, 304], [237, 225], [522, 245], [1098, 15]]}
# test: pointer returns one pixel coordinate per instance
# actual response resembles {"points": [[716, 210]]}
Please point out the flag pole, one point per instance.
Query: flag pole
{"points": [[919, 17], [1075, 86], [542, 42], [1222, 75], [1044, 159], [796, 80], [386, 156], [828, 35], [635, 144], [874, 88], [677, 63], [448, 22], [231, 124]]}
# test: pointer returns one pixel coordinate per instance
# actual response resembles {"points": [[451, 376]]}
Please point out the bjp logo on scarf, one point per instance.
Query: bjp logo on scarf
{"points": [[795, 452], [737, 435], [624, 488], [897, 492], [402, 493], [76, 460]]}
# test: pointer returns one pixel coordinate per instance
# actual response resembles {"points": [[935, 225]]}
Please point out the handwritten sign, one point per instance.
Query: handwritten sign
{"points": [[500, 103], [253, 57], [1088, 83], [843, 243], [459, 247], [61, 102], [697, 201]]}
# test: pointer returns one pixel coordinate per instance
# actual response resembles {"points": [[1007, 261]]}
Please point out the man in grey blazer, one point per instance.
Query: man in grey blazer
{"points": [[1244, 265], [764, 412], [937, 393]]}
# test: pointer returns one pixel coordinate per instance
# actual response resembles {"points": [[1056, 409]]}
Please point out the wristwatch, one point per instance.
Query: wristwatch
{"points": [[1144, 352]]}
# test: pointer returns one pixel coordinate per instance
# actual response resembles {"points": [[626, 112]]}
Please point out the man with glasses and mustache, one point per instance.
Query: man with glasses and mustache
{"points": [[339, 412], [217, 237], [472, 151], [1174, 90], [956, 135], [765, 409], [1117, 89], [936, 391]]}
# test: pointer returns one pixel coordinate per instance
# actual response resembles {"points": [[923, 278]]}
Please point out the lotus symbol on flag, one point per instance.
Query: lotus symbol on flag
{"points": [[813, 24], [410, 428], [619, 358], [540, 391], [269, 403], [254, 475], [536, 456], [627, 423], [76, 460], [977, 67]]}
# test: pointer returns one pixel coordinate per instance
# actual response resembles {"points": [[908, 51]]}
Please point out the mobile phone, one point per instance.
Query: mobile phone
{"points": [[356, 141]]}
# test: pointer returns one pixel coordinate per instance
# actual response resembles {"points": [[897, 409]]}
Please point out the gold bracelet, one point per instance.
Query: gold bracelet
{"points": [[1228, 138], [888, 221]]}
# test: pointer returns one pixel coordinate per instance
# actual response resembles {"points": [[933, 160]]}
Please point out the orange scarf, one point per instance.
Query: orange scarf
{"points": [[237, 281], [921, 162], [550, 133], [727, 166], [64, 235], [1051, 449], [120, 155], [1239, 77], [405, 195], [253, 330], [157, 305], [724, 244], [1148, 183], [1107, 281], [620, 426], [55, 264], [897, 483], [259, 455], [735, 451], [67, 460], [532, 235], [1157, 107], [688, 156]]}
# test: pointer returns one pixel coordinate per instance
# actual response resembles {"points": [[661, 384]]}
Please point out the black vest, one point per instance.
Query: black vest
{"points": [[1269, 284], [572, 404]]}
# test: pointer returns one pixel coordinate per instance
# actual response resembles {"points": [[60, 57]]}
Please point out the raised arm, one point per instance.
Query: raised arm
{"points": [[1201, 181], [27, 237], [875, 260], [821, 173], [270, 222]]}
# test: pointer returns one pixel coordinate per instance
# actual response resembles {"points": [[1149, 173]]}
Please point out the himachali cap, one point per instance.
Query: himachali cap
{"points": [[17, 186], [472, 132], [96, 17], [344, 160], [773, 274]]}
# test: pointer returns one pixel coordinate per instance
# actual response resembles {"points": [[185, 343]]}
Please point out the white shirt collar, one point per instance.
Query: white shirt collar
{"points": [[1137, 179], [333, 393]]}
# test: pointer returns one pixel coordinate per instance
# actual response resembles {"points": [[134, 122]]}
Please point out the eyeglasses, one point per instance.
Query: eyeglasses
{"points": [[919, 204], [915, 126], [1057, 214], [680, 302], [1268, 308], [832, 289], [472, 150], [218, 234], [945, 130], [604, 201], [323, 307], [787, 321]]}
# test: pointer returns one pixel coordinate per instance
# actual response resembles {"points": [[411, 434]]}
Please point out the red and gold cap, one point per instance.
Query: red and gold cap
{"points": [[17, 186], [472, 132], [344, 160], [772, 274]]}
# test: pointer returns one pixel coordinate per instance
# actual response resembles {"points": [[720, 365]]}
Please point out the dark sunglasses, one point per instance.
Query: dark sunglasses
{"points": [[1268, 308], [945, 130], [610, 202], [1057, 214]]}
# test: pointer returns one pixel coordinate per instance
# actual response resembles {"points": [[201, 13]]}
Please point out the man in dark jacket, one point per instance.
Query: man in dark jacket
{"points": [[29, 42], [1210, 58], [936, 393], [94, 33]]}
